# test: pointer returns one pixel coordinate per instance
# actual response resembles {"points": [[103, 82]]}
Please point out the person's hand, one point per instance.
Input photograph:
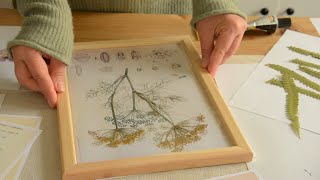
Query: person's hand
{"points": [[39, 72], [220, 37]]}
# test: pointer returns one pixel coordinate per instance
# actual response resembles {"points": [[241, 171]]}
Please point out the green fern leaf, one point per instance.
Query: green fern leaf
{"points": [[304, 52], [305, 63], [292, 102], [310, 71]]}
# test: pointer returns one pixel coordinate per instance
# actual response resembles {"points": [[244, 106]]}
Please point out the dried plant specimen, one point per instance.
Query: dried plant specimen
{"points": [[286, 82], [176, 136], [308, 68], [304, 52], [141, 108], [305, 63], [115, 137]]}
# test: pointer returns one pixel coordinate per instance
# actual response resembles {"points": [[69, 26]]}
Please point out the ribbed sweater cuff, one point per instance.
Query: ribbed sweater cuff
{"points": [[205, 8], [134, 6], [47, 27]]}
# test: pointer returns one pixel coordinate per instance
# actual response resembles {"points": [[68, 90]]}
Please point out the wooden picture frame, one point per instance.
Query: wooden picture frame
{"points": [[238, 152]]}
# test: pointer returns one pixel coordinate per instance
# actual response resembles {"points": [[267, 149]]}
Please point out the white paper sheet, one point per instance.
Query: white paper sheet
{"points": [[316, 23], [2, 96], [246, 175], [278, 153], [28, 121], [230, 77], [15, 141], [268, 100], [8, 79]]}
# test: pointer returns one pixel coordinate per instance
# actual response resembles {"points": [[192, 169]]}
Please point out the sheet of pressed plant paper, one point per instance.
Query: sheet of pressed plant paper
{"points": [[28, 121], [259, 97], [15, 141], [8, 80], [161, 111]]}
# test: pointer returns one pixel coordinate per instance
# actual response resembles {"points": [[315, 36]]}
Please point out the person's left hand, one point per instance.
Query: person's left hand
{"points": [[220, 37]]}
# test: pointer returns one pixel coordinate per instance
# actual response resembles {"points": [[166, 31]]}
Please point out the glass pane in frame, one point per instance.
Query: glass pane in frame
{"points": [[139, 101]]}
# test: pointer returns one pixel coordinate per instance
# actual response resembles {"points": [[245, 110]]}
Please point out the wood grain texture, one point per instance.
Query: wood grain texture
{"points": [[215, 97], [238, 152], [173, 161], [93, 26], [67, 144]]}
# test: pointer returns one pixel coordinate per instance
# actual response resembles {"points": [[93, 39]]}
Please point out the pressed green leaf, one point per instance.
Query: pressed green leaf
{"points": [[296, 76], [310, 71], [292, 102], [305, 63], [304, 52]]}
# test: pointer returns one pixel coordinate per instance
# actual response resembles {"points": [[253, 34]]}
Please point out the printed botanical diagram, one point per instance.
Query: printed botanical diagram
{"points": [[292, 89], [145, 100]]}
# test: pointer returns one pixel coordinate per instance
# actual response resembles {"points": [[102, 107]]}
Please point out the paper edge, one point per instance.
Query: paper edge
{"points": [[26, 148]]}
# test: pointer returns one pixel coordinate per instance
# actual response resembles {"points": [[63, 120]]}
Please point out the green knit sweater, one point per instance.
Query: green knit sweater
{"points": [[47, 24]]}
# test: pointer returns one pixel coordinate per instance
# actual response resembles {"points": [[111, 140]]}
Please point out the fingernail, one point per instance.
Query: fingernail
{"points": [[50, 105], [204, 63], [60, 86]]}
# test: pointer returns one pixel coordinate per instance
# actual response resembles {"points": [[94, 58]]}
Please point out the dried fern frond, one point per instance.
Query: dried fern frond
{"points": [[310, 71], [304, 52], [299, 89], [296, 76], [292, 102], [305, 63]]}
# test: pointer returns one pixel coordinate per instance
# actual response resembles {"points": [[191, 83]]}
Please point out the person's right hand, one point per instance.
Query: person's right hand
{"points": [[34, 73]]}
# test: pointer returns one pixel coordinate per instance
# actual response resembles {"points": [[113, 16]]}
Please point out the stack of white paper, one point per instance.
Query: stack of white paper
{"points": [[17, 135]]}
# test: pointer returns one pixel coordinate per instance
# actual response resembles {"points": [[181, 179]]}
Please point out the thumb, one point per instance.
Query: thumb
{"points": [[57, 73]]}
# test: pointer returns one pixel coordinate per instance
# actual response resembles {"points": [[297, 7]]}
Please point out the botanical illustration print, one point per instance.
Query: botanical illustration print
{"points": [[287, 82], [147, 106], [133, 102], [162, 54]]}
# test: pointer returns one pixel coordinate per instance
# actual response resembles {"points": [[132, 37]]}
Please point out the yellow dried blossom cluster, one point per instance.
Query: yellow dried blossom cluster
{"points": [[115, 137], [180, 135]]}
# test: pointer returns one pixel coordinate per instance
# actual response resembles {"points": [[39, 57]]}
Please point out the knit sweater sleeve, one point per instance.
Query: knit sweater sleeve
{"points": [[47, 27], [206, 8]]}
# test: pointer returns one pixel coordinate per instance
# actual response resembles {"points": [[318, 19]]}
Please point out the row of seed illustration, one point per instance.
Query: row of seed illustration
{"points": [[286, 81], [132, 124], [160, 54]]}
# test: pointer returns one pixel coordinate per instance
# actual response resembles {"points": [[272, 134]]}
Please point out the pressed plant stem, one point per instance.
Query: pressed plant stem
{"points": [[133, 92], [151, 106], [112, 105]]}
